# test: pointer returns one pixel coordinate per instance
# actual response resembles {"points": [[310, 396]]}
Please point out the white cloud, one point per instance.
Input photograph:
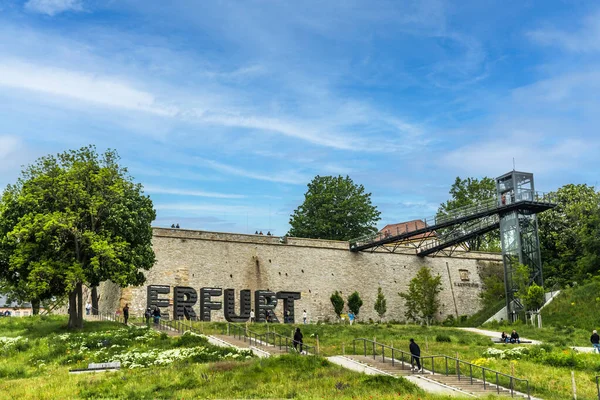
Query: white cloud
{"points": [[186, 192], [529, 149], [53, 7], [79, 86], [583, 40], [8, 146], [290, 177], [215, 209]]}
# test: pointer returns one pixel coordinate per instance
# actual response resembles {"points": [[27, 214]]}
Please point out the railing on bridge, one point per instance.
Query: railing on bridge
{"points": [[447, 365], [459, 215], [462, 232]]}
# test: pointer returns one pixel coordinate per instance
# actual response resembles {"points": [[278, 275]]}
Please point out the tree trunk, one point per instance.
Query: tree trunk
{"points": [[35, 306], [76, 307], [79, 288], [73, 309], [95, 300]]}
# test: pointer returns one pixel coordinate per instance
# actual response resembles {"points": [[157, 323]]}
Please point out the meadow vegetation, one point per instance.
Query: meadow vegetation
{"points": [[39, 351]]}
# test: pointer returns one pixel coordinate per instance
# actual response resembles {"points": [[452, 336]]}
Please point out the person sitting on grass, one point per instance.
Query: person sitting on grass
{"points": [[595, 339], [514, 337], [504, 337]]}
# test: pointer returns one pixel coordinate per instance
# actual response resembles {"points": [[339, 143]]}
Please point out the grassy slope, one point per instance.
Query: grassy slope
{"points": [[577, 307], [286, 377]]}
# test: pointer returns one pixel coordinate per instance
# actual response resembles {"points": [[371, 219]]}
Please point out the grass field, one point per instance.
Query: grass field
{"points": [[547, 367], [38, 352]]}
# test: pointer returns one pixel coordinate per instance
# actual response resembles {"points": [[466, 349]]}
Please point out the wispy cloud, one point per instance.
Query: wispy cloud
{"points": [[8, 145], [215, 209], [53, 7], [289, 176], [586, 39], [78, 86], [186, 192], [529, 149]]}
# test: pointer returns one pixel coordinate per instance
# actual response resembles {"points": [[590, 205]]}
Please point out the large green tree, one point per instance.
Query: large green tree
{"points": [[468, 192], [569, 235], [73, 219], [334, 208]]}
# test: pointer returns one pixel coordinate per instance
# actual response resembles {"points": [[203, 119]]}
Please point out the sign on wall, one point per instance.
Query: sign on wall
{"points": [[185, 298]]}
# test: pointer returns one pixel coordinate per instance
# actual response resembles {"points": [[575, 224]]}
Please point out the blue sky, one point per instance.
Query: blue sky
{"points": [[225, 110]]}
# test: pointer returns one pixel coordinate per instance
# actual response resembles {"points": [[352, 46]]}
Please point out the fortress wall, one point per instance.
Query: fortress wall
{"points": [[316, 268]]}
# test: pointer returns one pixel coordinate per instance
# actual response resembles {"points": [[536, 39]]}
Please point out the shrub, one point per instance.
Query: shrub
{"points": [[442, 338], [338, 303], [355, 303]]}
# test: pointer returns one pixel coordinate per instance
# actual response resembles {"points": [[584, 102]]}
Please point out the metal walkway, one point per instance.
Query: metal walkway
{"points": [[458, 226]]}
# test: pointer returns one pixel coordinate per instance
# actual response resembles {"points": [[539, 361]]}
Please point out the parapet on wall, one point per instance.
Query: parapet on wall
{"points": [[316, 268]]}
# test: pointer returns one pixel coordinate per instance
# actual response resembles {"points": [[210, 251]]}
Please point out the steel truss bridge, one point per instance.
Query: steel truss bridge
{"points": [[445, 233]]}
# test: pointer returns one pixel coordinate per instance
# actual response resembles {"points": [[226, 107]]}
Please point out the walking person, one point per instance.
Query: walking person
{"points": [[251, 315], [304, 317], [126, 313], [147, 316], [298, 339], [415, 352], [88, 308], [351, 317], [595, 339], [156, 315]]}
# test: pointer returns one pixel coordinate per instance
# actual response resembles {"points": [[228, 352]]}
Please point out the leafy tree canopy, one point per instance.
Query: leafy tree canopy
{"points": [[468, 192], [71, 219], [422, 301], [355, 303], [380, 304], [334, 208], [338, 303], [570, 235]]}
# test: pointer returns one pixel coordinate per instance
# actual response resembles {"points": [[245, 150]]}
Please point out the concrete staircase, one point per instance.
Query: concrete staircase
{"points": [[463, 385]]}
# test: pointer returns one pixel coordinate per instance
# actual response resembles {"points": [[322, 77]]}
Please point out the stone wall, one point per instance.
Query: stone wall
{"points": [[316, 268]]}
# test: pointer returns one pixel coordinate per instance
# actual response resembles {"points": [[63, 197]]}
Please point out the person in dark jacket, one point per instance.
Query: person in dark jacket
{"points": [[298, 339], [595, 339], [514, 337], [156, 315], [504, 337], [147, 316], [126, 313], [415, 352]]}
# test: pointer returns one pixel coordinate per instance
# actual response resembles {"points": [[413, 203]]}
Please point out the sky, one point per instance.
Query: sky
{"points": [[226, 110]]}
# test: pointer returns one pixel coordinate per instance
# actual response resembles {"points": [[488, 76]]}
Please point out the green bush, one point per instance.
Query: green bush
{"points": [[13, 371], [442, 338]]}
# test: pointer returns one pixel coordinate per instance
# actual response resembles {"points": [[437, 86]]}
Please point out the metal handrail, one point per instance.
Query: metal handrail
{"points": [[264, 339], [107, 316], [374, 346], [464, 230], [462, 212]]}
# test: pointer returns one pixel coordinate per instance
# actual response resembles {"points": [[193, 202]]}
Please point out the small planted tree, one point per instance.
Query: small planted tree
{"points": [[338, 303], [422, 301], [380, 304], [355, 303], [534, 299]]}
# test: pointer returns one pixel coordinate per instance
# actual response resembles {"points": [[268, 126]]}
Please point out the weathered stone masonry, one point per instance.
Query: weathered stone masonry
{"points": [[316, 268]]}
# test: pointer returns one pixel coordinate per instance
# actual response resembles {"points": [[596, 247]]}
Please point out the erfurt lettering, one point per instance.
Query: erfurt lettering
{"points": [[185, 298]]}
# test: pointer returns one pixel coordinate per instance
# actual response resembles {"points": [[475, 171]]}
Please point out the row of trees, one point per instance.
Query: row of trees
{"points": [[421, 299], [70, 220]]}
